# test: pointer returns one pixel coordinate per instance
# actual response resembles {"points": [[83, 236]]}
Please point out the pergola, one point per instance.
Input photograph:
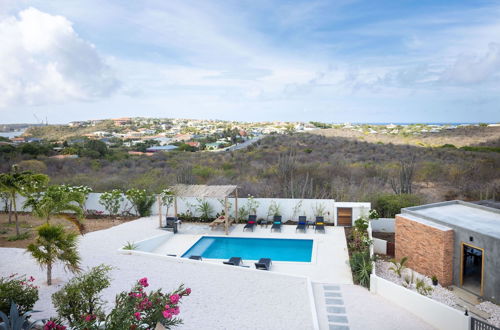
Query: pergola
{"points": [[206, 191]]}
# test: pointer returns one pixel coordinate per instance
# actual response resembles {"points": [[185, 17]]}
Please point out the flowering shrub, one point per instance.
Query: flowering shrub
{"points": [[141, 201], [138, 309], [111, 200], [79, 302], [53, 324], [20, 290]]}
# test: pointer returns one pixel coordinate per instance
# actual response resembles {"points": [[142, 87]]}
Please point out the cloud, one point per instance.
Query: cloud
{"points": [[43, 61], [475, 69]]}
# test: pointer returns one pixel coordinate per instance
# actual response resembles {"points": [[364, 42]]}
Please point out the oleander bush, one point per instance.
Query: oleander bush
{"points": [[20, 290]]}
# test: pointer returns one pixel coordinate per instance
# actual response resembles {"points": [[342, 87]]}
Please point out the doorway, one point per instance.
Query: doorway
{"points": [[472, 269]]}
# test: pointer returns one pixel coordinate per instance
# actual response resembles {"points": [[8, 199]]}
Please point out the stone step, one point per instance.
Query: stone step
{"points": [[465, 295]]}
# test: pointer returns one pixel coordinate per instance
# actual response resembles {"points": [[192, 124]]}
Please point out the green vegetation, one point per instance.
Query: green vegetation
{"points": [[20, 290], [141, 201], [388, 205], [82, 296], [54, 244]]}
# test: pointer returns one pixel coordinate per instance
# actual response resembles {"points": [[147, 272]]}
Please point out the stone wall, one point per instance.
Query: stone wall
{"points": [[428, 246]]}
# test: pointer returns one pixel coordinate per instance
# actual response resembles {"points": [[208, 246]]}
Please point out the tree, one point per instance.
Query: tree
{"points": [[54, 244], [21, 183], [403, 184], [59, 200]]}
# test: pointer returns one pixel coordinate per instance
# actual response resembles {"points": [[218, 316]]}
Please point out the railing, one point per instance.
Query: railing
{"points": [[476, 324]]}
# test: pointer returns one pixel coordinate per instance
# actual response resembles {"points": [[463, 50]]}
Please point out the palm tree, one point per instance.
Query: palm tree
{"points": [[58, 200], [54, 244], [21, 183]]}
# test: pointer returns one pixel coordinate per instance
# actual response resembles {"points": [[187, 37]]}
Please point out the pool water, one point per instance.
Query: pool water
{"points": [[212, 247]]}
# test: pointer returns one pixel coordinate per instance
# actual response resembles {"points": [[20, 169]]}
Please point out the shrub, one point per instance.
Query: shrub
{"points": [[20, 290], [399, 266], [274, 209], [141, 201], [388, 205], [111, 200], [422, 287], [19, 237], [139, 309], [361, 265], [204, 209], [81, 297]]}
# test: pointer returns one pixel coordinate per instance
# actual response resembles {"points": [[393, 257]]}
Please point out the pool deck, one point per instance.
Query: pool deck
{"points": [[330, 259]]}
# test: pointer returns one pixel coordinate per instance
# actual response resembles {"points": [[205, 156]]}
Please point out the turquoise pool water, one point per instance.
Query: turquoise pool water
{"points": [[212, 247]]}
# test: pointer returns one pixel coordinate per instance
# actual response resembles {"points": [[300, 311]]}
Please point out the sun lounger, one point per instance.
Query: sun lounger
{"points": [[319, 224], [263, 264], [196, 258], [217, 222], [302, 224], [252, 221], [276, 223], [233, 261]]}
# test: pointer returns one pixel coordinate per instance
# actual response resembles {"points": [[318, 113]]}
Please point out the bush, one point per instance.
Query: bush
{"points": [[20, 290], [388, 205], [141, 201], [138, 309], [361, 265], [81, 297], [111, 200]]}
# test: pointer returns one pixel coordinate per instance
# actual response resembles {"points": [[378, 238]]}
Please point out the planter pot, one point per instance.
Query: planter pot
{"points": [[435, 282]]}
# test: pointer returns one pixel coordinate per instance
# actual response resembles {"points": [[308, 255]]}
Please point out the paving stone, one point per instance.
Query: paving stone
{"points": [[337, 318], [333, 294], [334, 301], [336, 310], [332, 287], [338, 327]]}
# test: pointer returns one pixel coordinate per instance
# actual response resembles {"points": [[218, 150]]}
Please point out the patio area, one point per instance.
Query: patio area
{"points": [[329, 263]]}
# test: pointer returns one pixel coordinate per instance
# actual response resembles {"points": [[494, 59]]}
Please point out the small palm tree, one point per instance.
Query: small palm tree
{"points": [[54, 244], [57, 200], [21, 183]]}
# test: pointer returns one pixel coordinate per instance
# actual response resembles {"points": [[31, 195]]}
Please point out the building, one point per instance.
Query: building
{"points": [[122, 121], [455, 241]]}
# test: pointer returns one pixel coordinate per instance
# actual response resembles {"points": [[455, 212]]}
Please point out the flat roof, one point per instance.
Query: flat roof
{"points": [[477, 218]]}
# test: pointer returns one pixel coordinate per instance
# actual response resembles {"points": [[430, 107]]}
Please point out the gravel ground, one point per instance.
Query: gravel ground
{"points": [[439, 293], [223, 297]]}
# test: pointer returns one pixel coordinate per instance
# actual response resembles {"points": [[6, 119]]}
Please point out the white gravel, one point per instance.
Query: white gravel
{"points": [[439, 293], [223, 297]]}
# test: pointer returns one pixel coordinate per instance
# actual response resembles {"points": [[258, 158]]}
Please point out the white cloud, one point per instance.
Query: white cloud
{"points": [[43, 61], [475, 69]]}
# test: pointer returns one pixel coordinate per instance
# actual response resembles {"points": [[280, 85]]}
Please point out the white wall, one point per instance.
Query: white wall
{"points": [[433, 312], [379, 246], [383, 225], [290, 209]]}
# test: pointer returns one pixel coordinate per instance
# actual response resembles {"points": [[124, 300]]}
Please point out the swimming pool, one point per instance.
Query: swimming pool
{"points": [[214, 247]]}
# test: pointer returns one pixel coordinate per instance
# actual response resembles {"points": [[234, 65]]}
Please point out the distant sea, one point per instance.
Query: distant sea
{"points": [[415, 123], [12, 134]]}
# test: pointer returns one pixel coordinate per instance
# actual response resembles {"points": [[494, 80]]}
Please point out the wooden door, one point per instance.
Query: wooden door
{"points": [[344, 216]]}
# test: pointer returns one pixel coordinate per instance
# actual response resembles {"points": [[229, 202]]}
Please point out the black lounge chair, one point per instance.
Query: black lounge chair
{"points": [[252, 221], [302, 224], [319, 224], [171, 224], [276, 223], [233, 261], [263, 264], [196, 258]]}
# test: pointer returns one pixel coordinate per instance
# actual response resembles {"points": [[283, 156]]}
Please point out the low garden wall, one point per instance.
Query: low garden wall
{"points": [[383, 225], [435, 313]]}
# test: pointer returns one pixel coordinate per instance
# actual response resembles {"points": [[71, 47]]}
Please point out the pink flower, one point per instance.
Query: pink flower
{"points": [[174, 299], [175, 310], [167, 314], [31, 279], [144, 282], [187, 292], [88, 318], [137, 315]]}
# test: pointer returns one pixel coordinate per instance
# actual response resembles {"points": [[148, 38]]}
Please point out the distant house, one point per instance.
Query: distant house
{"points": [[30, 140], [75, 123], [161, 148], [212, 146], [183, 137], [17, 140], [455, 241], [193, 144]]}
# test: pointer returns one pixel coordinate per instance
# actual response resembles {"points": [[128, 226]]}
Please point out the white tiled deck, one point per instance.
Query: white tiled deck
{"points": [[329, 259]]}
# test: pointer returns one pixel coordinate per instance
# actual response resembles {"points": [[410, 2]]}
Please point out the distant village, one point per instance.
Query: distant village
{"points": [[146, 136]]}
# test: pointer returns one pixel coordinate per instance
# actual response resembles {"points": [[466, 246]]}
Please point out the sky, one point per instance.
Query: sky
{"points": [[250, 60]]}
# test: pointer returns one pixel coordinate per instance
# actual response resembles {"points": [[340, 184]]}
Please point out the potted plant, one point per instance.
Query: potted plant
{"points": [[434, 280]]}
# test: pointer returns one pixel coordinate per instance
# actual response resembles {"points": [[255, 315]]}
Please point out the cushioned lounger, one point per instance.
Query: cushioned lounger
{"points": [[263, 264]]}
